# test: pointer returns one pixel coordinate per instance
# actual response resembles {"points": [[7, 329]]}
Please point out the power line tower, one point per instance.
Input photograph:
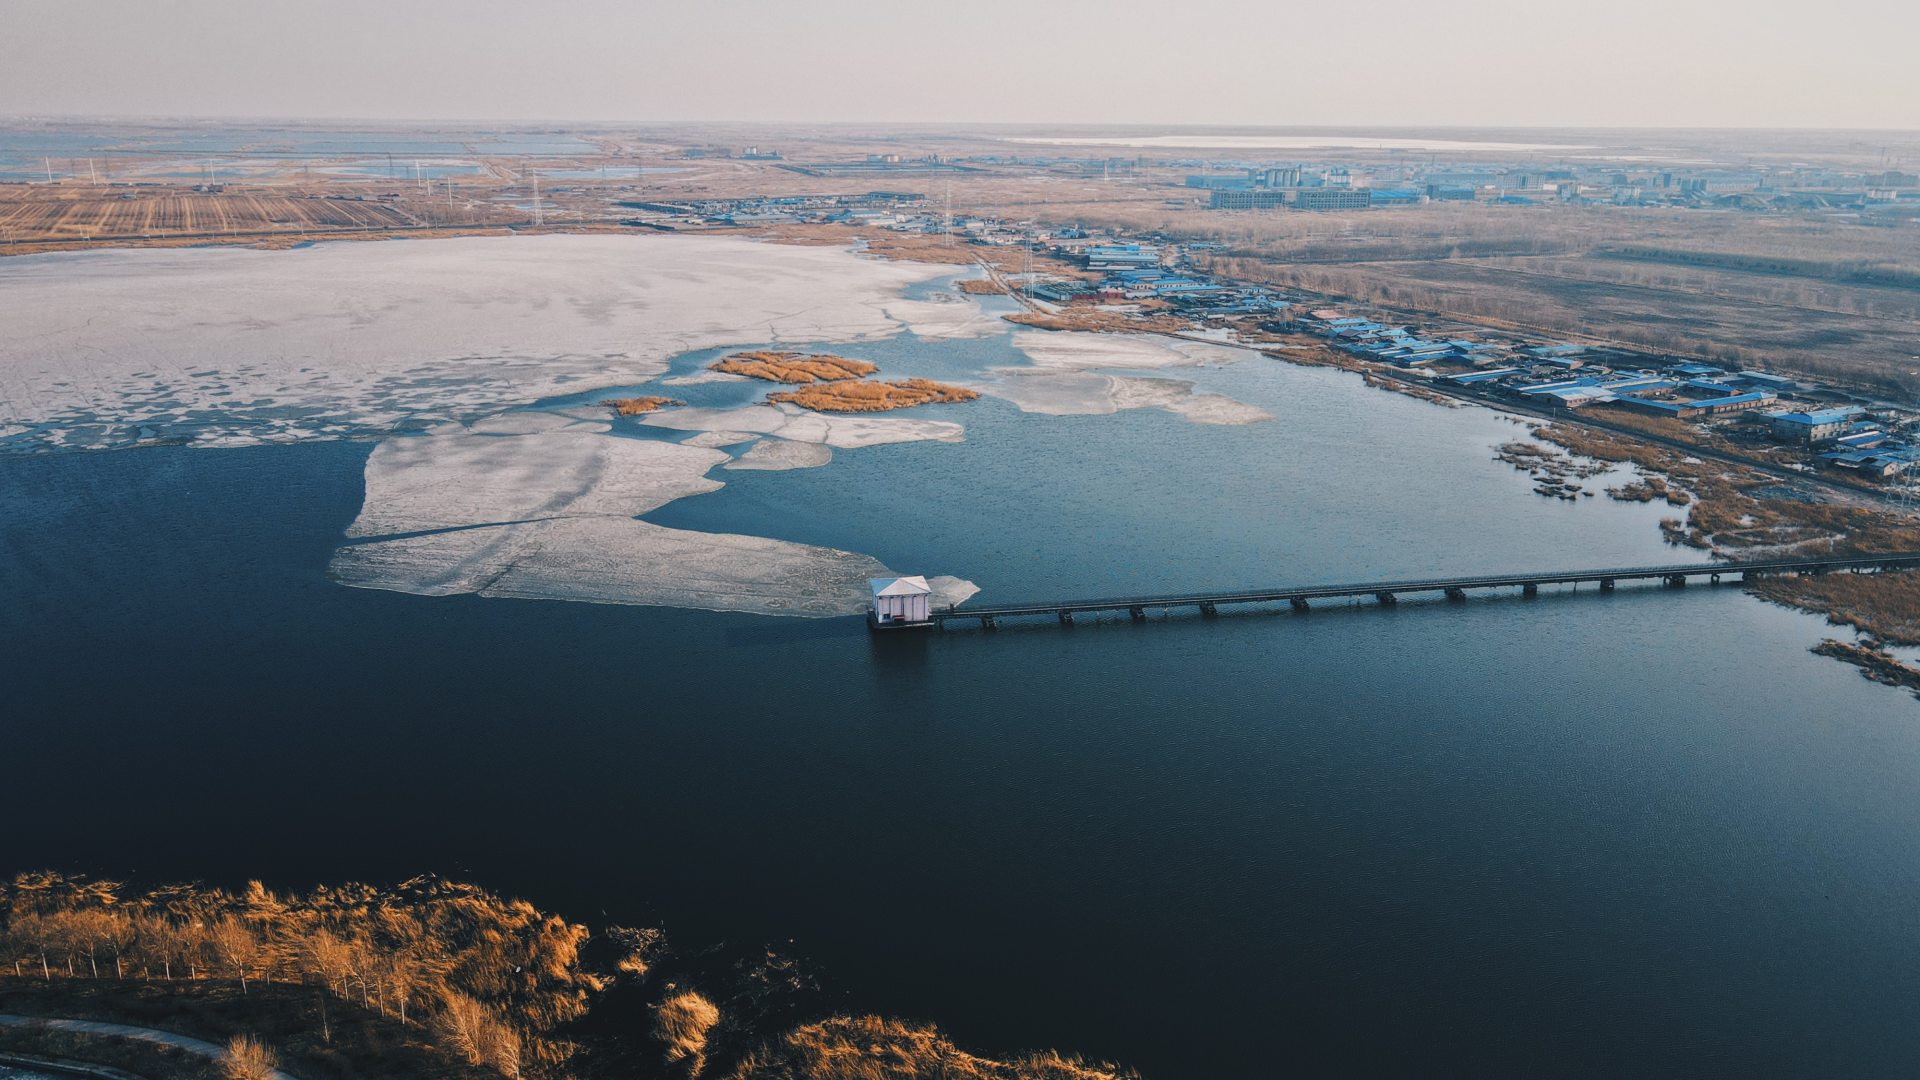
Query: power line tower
{"points": [[1906, 490]]}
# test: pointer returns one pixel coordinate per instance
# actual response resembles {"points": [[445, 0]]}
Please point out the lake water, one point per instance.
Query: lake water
{"points": [[1644, 833]]}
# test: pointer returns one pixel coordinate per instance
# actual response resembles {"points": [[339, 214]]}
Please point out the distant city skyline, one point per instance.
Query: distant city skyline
{"points": [[1482, 63]]}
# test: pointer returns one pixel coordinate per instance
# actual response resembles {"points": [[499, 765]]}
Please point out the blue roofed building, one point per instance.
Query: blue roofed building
{"points": [[1807, 427]]}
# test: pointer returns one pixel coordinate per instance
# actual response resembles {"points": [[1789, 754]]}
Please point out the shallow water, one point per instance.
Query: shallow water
{"points": [[1639, 833]]}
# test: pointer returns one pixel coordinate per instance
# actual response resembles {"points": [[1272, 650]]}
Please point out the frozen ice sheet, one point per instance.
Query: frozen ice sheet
{"points": [[799, 425], [779, 454], [1088, 393], [1074, 350], [529, 510], [360, 337]]}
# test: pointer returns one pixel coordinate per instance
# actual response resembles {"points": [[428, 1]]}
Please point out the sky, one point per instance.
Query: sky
{"points": [[1546, 63]]}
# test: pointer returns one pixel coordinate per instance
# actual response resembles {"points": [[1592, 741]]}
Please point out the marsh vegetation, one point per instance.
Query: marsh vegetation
{"points": [[433, 979]]}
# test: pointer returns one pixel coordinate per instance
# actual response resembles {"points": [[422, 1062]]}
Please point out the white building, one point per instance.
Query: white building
{"points": [[901, 601]]}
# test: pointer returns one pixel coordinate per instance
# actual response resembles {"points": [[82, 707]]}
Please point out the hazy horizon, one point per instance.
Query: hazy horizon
{"points": [[1395, 64]]}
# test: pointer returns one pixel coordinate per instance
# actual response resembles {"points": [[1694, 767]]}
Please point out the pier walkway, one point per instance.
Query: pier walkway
{"points": [[1386, 593]]}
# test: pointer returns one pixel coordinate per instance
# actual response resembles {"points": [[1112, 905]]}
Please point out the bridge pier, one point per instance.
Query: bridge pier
{"points": [[1606, 584], [1207, 609], [1713, 579], [1299, 603], [1386, 599], [1676, 581], [1066, 617], [1139, 614], [987, 623], [1529, 590], [1458, 596]]}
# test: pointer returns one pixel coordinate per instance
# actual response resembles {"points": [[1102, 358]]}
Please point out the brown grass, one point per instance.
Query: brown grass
{"points": [[864, 397], [1875, 664], [982, 287], [1096, 320], [872, 1048], [249, 1059], [793, 368], [1886, 605], [639, 406], [682, 1022]]}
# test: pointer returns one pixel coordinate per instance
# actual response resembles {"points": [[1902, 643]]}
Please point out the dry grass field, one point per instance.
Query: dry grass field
{"points": [[1825, 297], [38, 213]]}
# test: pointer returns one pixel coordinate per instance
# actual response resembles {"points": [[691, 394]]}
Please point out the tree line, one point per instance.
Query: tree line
{"points": [[490, 978]]}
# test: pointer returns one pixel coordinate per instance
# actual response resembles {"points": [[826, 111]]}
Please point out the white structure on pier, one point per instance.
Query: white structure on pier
{"points": [[901, 601]]}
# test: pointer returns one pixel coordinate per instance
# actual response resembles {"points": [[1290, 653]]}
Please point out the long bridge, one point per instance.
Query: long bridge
{"points": [[1387, 593]]}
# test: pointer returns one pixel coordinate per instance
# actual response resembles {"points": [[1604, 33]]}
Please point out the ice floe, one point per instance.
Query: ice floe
{"points": [[1073, 350], [1065, 380], [699, 378], [234, 346], [720, 438], [779, 454], [799, 425], [518, 507]]}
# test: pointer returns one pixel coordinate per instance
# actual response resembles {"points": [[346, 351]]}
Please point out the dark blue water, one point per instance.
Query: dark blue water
{"points": [[1646, 833]]}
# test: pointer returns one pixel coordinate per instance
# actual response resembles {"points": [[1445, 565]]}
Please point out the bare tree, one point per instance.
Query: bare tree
{"points": [[235, 943], [247, 1058]]}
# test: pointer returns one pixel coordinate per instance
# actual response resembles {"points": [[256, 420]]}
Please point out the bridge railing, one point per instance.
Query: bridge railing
{"points": [[1437, 584]]}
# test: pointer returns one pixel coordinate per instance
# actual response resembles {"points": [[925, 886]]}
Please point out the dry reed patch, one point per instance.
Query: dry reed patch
{"points": [[639, 406], [873, 1048], [793, 368], [1096, 320], [249, 1059], [1875, 664], [982, 287], [863, 397], [1886, 605], [682, 1022]]}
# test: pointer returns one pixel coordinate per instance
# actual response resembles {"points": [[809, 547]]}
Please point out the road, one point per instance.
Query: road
{"points": [[197, 1047]]}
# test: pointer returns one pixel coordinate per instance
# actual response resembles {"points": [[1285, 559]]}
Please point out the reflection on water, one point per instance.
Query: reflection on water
{"points": [[1641, 833]]}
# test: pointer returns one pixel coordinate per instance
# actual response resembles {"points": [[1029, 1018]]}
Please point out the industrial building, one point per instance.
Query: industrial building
{"points": [[1712, 406], [1332, 199], [1811, 426], [1249, 199]]}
